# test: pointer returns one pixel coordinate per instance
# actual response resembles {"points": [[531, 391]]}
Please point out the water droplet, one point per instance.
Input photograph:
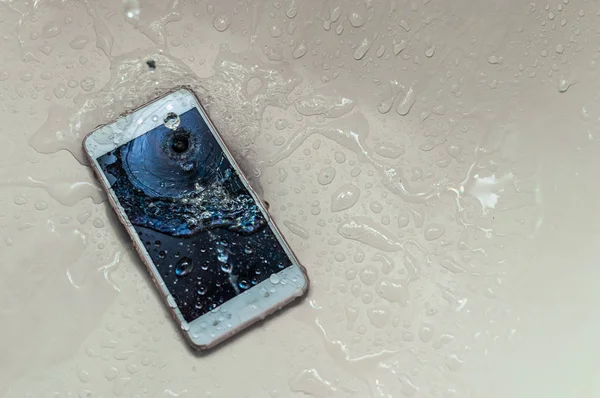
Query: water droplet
{"points": [[60, 90], [393, 291], [83, 375], [453, 362], [78, 42], [51, 30], [439, 110], [399, 46], [131, 9], [359, 255], [426, 333], [292, 9], [407, 102], [365, 230], [376, 207], [20, 200], [26, 75], [226, 267], [244, 284], [369, 275], [344, 197], [172, 121], [339, 156], [46, 49], [330, 106], [430, 51], [296, 229], [356, 20], [274, 278], [362, 49], [492, 59], [434, 231], [300, 50], [87, 83], [563, 85], [41, 205], [184, 266], [275, 31], [111, 373], [379, 316], [339, 257], [221, 22], [404, 25], [403, 219], [326, 175], [451, 265], [389, 150]]}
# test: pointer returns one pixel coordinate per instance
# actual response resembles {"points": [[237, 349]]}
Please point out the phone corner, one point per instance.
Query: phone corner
{"points": [[305, 289], [187, 88], [84, 142], [199, 348], [306, 282], [196, 346], [85, 146]]}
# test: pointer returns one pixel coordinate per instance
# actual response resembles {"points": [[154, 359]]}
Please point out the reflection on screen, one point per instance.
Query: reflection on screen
{"points": [[200, 225]]}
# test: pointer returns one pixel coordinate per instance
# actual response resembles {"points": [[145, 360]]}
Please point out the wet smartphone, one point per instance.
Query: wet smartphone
{"points": [[207, 240]]}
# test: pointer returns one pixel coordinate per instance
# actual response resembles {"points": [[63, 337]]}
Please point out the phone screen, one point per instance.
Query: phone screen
{"points": [[199, 223]]}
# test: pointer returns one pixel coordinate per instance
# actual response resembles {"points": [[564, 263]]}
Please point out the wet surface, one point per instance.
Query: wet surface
{"points": [[432, 164]]}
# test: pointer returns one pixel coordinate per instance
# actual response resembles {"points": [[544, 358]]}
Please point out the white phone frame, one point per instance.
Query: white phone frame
{"points": [[242, 310]]}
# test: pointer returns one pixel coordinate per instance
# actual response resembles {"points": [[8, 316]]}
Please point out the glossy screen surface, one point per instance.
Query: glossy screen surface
{"points": [[201, 227]]}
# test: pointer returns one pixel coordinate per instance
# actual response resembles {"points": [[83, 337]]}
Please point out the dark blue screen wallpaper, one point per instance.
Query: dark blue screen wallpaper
{"points": [[200, 225]]}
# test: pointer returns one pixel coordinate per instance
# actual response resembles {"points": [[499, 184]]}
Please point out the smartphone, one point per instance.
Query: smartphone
{"points": [[207, 240]]}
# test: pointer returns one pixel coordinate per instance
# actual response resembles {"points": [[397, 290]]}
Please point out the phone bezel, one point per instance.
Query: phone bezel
{"points": [[241, 311]]}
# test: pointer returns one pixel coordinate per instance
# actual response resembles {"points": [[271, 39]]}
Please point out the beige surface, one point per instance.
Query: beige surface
{"points": [[434, 164]]}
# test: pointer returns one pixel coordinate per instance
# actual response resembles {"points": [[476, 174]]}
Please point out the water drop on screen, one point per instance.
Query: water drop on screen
{"points": [[244, 284], [226, 267], [172, 121], [184, 266], [222, 256]]}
